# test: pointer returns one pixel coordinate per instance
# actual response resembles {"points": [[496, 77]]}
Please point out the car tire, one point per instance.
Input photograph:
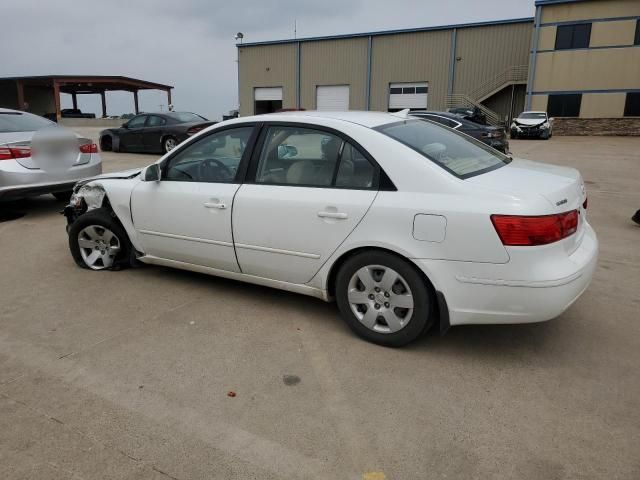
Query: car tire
{"points": [[98, 241], [382, 317], [63, 196], [168, 144]]}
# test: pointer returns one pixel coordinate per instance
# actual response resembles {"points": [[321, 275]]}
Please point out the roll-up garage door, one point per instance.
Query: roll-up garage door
{"points": [[268, 93], [332, 97], [408, 95]]}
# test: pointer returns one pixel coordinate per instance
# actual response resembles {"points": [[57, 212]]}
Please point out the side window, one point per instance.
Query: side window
{"points": [[137, 122], [355, 170], [155, 121], [214, 158], [298, 156]]}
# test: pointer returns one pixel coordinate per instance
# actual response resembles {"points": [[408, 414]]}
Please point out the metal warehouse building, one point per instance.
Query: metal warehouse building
{"points": [[547, 62]]}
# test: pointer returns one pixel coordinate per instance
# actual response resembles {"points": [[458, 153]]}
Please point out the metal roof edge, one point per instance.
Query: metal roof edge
{"points": [[389, 32]]}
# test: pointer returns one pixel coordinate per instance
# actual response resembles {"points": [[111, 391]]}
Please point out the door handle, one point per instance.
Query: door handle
{"points": [[219, 206], [337, 215]]}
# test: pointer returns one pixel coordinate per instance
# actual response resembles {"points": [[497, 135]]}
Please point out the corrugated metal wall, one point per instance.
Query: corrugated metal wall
{"points": [[334, 62], [411, 57], [267, 66], [485, 52]]}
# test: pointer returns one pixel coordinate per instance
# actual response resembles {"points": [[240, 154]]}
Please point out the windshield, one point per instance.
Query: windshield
{"points": [[459, 154], [187, 117], [533, 115], [22, 122]]}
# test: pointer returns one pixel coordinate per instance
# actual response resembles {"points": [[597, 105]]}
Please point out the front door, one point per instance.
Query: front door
{"points": [[131, 137], [187, 215], [307, 192]]}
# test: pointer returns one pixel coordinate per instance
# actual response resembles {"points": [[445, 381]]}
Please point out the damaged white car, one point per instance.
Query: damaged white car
{"points": [[407, 224]]}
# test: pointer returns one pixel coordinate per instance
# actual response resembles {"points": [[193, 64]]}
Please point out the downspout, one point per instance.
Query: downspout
{"points": [[298, 75], [534, 54], [368, 83], [452, 60]]}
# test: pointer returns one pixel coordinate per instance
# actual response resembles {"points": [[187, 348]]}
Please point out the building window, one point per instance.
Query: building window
{"points": [[573, 36], [636, 41], [632, 104], [564, 105]]}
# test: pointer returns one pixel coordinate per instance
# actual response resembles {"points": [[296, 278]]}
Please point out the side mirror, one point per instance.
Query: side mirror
{"points": [[286, 151], [551, 119], [125, 125], [151, 173]]}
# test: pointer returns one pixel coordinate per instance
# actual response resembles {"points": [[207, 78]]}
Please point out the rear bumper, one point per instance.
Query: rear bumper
{"points": [[17, 181], [499, 294]]}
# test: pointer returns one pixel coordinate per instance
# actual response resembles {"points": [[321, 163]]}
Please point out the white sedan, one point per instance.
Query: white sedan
{"points": [[404, 222]]}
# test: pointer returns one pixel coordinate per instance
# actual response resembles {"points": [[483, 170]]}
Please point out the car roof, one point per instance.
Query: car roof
{"points": [[9, 110], [366, 119]]}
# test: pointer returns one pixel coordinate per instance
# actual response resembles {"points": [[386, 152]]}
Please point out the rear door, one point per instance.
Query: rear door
{"points": [[131, 137], [152, 133], [307, 189]]}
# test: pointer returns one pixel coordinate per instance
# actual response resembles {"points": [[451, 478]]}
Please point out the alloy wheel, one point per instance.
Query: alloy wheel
{"points": [[169, 144], [380, 298], [99, 246]]}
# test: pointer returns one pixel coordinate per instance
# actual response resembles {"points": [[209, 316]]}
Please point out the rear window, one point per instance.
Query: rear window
{"points": [[22, 122], [458, 154], [185, 117]]}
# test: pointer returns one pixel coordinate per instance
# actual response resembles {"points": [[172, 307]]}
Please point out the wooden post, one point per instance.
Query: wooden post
{"points": [[74, 99], [135, 101], [56, 99], [104, 103], [20, 86]]}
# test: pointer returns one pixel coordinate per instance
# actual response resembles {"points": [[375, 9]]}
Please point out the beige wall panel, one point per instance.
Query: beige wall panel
{"points": [[602, 105], [547, 38], [487, 51], [335, 62], [605, 34], [590, 10], [411, 57], [539, 102], [267, 66], [616, 68]]}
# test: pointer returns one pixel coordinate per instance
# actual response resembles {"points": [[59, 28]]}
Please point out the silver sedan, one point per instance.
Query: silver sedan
{"points": [[38, 157]]}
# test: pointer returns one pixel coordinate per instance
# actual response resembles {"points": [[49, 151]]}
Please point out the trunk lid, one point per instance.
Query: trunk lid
{"points": [[562, 188]]}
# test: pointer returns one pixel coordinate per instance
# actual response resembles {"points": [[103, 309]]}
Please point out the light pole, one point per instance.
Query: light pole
{"points": [[238, 36]]}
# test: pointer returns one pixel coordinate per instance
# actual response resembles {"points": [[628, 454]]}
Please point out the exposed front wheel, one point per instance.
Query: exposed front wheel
{"points": [[383, 298], [97, 241]]}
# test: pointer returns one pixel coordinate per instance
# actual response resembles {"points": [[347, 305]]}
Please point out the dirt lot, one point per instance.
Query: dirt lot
{"points": [[126, 374]]}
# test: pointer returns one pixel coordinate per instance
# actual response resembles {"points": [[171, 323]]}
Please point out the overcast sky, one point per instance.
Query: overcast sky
{"points": [[189, 43]]}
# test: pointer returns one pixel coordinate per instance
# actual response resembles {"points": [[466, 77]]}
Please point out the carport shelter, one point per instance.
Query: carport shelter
{"points": [[41, 94]]}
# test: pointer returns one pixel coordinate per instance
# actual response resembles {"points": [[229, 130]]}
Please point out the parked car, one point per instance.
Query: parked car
{"points": [[407, 224], [493, 136], [153, 132], [75, 113], [532, 125], [62, 158]]}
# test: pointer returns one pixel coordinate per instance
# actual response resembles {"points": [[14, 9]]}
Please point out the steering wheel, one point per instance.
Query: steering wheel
{"points": [[214, 170]]}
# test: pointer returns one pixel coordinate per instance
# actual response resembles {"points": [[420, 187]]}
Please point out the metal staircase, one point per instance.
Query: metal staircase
{"points": [[513, 75]]}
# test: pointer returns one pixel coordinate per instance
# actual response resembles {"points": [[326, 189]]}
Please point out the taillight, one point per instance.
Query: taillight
{"points": [[540, 230], [89, 148], [194, 130], [9, 153]]}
